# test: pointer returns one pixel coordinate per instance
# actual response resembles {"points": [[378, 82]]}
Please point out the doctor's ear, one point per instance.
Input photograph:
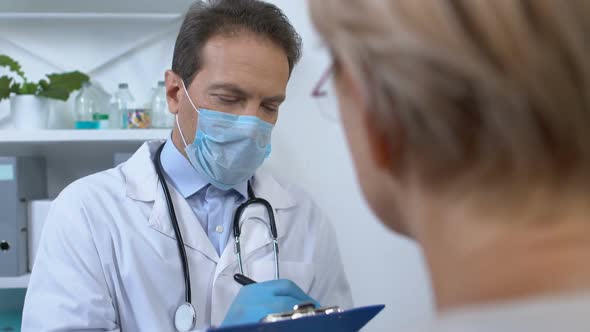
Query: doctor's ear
{"points": [[173, 90]]}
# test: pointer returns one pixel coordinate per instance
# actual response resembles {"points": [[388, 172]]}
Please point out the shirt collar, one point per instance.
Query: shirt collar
{"points": [[183, 175]]}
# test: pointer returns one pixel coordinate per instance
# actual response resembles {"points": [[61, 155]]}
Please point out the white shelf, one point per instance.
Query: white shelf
{"points": [[90, 16], [72, 154], [70, 135], [102, 6], [16, 282]]}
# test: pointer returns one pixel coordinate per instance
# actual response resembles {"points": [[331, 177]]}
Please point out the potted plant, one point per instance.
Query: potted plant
{"points": [[29, 100]]}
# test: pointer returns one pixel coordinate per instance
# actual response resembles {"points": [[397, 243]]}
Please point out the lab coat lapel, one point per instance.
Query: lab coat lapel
{"points": [[191, 230], [141, 180], [141, 184], [254, 222]]}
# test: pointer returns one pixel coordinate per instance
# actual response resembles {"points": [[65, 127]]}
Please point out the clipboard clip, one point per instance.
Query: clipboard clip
{"points": [[301, 311]]}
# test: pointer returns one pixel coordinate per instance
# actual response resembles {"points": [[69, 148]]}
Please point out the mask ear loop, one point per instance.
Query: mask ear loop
{"points": [[192, 104], [180, 131], [189, 97]]}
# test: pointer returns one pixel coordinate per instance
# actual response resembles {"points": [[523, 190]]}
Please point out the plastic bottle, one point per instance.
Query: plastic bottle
{"points": [[161, 118], [85, 109], [102, 108], [124, 104]]}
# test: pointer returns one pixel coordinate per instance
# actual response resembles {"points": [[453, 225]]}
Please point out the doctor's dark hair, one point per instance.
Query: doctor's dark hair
{"points": [[206, 19]]}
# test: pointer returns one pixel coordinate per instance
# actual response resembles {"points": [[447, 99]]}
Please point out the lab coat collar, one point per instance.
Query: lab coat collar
{"points": [[183, 175], [141, 180], [141, 183], [180, 172], [193, 234], [266, 186]]}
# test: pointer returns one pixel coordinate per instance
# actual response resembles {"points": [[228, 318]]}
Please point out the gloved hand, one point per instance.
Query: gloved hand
{"points": [[255, 301]]}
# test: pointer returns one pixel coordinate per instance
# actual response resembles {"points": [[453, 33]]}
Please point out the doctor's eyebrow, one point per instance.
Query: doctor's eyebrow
{"points": [[276, 99], [229, 87], [238, 91]]}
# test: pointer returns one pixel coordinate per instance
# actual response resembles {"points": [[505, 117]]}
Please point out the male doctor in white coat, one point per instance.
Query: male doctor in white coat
{"points": [[108, 258]]}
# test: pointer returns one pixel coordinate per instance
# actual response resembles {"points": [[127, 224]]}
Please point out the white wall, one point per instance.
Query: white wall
{"points": [[307, 148]]}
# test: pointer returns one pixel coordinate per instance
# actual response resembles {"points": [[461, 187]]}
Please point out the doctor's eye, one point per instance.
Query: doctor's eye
{"points": [[271, 109], [226, 99]]}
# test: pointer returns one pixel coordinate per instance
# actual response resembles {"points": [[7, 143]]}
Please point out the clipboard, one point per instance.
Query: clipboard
{"points": [[346, 321]]}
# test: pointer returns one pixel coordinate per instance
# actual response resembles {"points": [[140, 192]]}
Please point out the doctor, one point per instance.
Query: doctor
{"points": [[109, 258]]}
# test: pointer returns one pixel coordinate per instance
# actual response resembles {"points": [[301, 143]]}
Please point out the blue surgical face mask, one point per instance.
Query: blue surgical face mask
{"points": [[228, 148]]}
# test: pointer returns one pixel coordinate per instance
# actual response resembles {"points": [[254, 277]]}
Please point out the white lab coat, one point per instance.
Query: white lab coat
{"points": [[108, 258]]}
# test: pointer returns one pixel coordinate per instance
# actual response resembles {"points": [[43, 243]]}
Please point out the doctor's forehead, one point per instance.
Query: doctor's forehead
{"points": [[245, 60]]}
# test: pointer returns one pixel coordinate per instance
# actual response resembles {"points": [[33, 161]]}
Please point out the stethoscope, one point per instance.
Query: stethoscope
{"points": [[185, 317]]}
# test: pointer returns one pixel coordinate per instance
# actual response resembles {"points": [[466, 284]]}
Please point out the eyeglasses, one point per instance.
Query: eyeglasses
{"points": [[324, 93], [319, 89]]}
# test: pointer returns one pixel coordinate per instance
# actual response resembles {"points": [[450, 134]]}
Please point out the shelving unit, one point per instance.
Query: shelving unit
{"points": [[14, 283], [67, 135], [72, 154], [115, 6], [67, 144], [94, 51], [89, 16]]}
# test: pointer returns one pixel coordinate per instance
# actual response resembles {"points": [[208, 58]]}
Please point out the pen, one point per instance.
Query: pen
{"points": [[243, 280]]}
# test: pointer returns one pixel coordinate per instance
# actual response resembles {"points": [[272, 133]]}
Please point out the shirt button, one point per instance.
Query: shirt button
{"points": [[219, 229]]}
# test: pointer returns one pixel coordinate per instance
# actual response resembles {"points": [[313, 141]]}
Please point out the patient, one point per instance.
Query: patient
{"points": [[469, 124]]}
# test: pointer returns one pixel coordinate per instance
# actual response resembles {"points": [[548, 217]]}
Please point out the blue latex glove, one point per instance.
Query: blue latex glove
{"points": [[255, 301]]}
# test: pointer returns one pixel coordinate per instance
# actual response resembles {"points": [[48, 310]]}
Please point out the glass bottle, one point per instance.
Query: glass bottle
{"points": [[85, 109], [124, 104], [161, 117]]}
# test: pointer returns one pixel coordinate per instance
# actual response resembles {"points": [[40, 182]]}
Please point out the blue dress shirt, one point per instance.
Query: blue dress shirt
{"points": [[213, 207]]}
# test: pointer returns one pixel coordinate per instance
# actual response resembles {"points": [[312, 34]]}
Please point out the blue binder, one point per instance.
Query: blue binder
{"points": [[347, 321], [10, 321]]}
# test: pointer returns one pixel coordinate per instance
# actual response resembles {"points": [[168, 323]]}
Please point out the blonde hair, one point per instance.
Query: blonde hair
{"points": [[489, 93]]}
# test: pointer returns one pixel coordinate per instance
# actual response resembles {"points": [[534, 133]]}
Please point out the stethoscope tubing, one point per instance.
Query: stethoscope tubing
{"points": [[252, 199], [177, 233]]}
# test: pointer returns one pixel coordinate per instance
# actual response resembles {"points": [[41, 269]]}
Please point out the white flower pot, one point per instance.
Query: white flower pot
{"points": [[29, 112]]}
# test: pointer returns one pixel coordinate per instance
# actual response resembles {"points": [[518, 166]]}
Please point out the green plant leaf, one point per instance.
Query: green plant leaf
{"points": [[44, 84], [29, 88], [6, 61], [15, 87], [60, 86], [5, 87]]}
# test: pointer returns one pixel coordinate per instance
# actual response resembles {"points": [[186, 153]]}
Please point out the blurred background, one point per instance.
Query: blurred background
{"points": [[116, 52]]}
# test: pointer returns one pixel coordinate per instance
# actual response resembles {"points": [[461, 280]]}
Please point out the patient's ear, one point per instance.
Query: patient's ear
{"points": [[371, 139], [385, 144]]}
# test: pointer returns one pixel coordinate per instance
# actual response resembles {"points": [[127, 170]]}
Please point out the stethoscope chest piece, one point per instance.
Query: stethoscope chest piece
{"points": [[185, 318]]}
